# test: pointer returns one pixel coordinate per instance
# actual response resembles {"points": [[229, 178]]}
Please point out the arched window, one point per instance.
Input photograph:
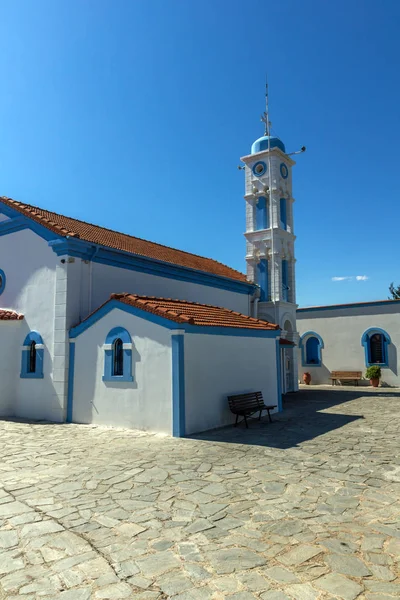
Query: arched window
{"points": [[376, 342], [262, 213], [311, 345], [118, 356], [32, 356]]}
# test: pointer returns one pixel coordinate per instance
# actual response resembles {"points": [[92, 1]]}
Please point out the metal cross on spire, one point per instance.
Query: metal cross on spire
{"points": [[265, 115]]}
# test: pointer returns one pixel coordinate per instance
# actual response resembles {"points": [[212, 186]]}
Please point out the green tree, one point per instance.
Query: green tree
{"points": [[395, 291]]}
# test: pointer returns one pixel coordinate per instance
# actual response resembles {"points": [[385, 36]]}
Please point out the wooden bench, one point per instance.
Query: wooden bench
{"points": [[345, 376], [245, 405]]}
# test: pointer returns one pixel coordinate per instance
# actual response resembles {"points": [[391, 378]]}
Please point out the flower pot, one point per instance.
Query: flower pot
{"points": [[374, 382], [307, 378]]}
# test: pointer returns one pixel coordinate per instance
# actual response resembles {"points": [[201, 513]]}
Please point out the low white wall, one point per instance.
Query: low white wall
{"points": [[10, 333], [145, 403], [217, 366], [341, 331]]}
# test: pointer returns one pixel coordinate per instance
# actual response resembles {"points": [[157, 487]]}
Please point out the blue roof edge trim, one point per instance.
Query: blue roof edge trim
{"points": [[76, 331], [350, 305], [71, 246], [18, 222], [125, 260]]}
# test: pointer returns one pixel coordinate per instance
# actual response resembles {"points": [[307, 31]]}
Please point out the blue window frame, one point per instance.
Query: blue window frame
{"points": [[2, 281], [311, 345], [376, 347], [259, 168], [262, 213], [262, 279], [118, 355], [283, 213], [32, 356]]}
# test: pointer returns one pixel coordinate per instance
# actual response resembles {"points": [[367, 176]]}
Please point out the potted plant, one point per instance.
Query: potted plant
{"points": [[307, 378], [373, 373]]}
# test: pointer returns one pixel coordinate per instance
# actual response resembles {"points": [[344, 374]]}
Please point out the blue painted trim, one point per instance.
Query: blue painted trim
{"points": [[178, 385], [354, 305], [302, 346], [365, 342], [71, 372], [284, 171], [261, 173], [279, 375], [18, 222], [33, 336], [3, 280], [123, 334], [118, 332], [143, 264], [72, 246], [112, 304]]}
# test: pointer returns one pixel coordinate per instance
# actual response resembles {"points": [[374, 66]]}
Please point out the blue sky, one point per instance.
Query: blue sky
{"points": [[133, 115]]}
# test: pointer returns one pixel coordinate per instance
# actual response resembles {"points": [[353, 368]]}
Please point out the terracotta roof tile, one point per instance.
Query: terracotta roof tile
{"points": [[9, 315], [66, 226], [193, 313]]}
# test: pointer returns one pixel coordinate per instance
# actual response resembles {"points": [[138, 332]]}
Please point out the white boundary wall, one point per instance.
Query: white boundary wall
{"points": [[341, 330]]}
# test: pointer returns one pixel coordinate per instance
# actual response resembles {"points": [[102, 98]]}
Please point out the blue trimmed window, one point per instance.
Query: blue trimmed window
{"points": [[262, 213], [32, 356], [118, 355], [262, 279], [376, 342], [283, 213], [311, 345]]}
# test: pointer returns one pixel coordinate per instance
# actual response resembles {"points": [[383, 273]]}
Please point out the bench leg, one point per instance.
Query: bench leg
{"points": [[259, 418], [269, 416]]}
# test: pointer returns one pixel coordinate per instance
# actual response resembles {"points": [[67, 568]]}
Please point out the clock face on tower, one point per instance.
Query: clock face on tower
{"points": [[284, 171], [259, 168]]}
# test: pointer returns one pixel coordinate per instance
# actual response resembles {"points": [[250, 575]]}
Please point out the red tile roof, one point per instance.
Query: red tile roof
{"points": [[66, 226], [9, 315], [193, 313]]}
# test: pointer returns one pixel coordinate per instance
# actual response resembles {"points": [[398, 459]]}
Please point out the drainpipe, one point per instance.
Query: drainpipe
{"points": [[256, 299]]}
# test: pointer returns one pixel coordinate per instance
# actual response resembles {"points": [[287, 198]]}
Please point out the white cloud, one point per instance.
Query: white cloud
{"points": [[351, 277], [341, 278]]}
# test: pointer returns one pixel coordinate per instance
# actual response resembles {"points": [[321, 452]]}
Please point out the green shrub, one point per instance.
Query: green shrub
{"points": [[373, 372]]}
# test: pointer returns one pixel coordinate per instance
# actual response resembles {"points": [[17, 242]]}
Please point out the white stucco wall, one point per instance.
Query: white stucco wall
{"points": [[217, 366], [107, 280], [341, 331], [10, 334], [30, 266], [145, 403]]}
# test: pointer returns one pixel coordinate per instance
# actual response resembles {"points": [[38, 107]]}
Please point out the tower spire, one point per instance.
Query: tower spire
{"points": [[265, 115]]}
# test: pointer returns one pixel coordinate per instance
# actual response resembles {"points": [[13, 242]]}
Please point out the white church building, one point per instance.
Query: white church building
{"points": [[102, 327]]}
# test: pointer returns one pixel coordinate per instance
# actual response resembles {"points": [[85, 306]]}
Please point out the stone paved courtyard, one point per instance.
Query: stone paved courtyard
{"points": [[304, 508]]}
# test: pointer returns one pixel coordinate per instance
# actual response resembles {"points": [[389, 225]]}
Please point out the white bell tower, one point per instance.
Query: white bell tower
{"points": [[270, 241]]}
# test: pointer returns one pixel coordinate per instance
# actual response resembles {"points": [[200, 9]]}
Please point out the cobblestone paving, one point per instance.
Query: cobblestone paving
{"points": [[305, 508]]}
